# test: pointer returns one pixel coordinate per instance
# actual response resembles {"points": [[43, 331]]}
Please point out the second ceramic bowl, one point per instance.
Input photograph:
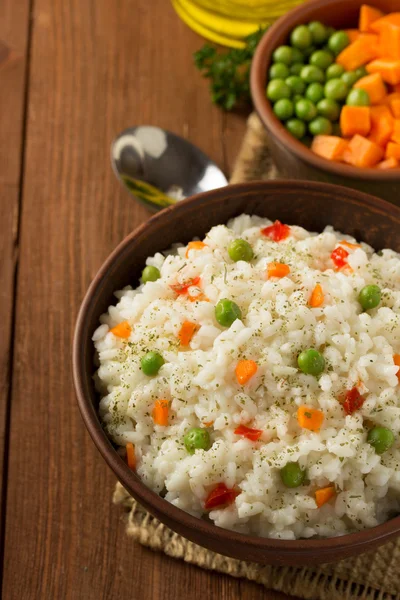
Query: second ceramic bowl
{"points": [[293, 159]]}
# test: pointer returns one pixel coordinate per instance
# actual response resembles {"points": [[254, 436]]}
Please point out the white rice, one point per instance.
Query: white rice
{"points": [[277, 324]]}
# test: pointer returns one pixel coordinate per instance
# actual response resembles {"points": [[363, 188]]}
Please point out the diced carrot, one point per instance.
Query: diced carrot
{"points": [[310, 418], [329, 146], [130, 455], [396, 360], [389, 163], [395, 107], [368, 15], [395, 137], [374, 86], [396, 89], [358, 53], [245, 369], [381, 124], [317, 296], [194, 246], [275, 269], [122, 330], [392, 18], [353, 34], [160, 412], [389, 68], [208, 423], [389, 41], [323, 495], [393, 151], [355, 119], [186, 332], [362, 152]]}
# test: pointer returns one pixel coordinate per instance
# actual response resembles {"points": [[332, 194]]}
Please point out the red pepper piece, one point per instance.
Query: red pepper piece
{"points": [[339, 257], [352, 401], [220, 496], [182, 288], [248, 432], [276, 232]]}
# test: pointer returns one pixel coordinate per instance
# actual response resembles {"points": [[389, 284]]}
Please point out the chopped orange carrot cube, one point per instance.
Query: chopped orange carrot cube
{"points": [[395, 137], [186, 332], [362, 152], [381, 124], [363, 50], [394, 104], [130, 455], [393, 151], [392, 18], [355, 119], [389, 163], [323, 495], [275, 269], [389, 68], [310, 418], [317, 296], [122, 330], [374, 86], [160, 412], [194, 246], [368, 15], [396, 360], [353, 34], [245, 369], [331, 147]]}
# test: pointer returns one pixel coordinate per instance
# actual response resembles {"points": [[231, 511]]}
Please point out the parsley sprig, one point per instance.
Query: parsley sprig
{"points": [[228, 71]]}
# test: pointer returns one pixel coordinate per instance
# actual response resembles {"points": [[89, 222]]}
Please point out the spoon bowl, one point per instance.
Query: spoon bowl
{"points": [[160, 168]]}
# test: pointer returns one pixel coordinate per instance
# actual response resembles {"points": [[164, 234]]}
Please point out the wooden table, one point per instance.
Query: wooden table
{"points": [[72, 74]]}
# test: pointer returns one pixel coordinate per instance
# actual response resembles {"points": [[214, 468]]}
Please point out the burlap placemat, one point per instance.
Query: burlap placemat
{"points": [[372, 576]]}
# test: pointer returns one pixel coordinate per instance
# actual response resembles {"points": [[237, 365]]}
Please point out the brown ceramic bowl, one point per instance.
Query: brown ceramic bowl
{"points": [[312, 205], [293, 158]]}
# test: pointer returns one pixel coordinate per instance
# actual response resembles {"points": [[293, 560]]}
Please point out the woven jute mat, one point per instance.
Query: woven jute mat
{"points": [[372, 576]]}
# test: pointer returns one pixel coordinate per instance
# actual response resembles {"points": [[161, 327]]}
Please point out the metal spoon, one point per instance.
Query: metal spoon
{"points": [[160, 168]]}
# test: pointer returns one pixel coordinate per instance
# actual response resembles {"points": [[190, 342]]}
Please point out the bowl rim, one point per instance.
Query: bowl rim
{"points": [[128, 478], [258, 80]]}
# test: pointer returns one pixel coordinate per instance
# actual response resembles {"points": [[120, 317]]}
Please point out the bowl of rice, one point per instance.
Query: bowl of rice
{"points": [[236, 361]]}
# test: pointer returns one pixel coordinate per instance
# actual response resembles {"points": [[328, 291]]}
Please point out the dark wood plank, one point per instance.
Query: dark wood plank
{"points": [[14, 28], [97, 67]]}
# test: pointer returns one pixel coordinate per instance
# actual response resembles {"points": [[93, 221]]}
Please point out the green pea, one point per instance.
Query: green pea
{"points": [[329, 109], [305, 110], [240, 249], [381, 439], [278, 89], [320, 126], [197, 438], [296, 127], [301, 37], [284, 109], [283, 54], [361, 72], [350, 78], [312, 74], [296, 98], [278, 71], [292, 475], [296, 84], [338, 41], [226, 312], [150, 274], [151, 363], [297, 56], [358, 98], [311, 362], [315, 92], [334, 71], [321, 59], [336, 89], [296, 69], [318, 32], [370, 297]]}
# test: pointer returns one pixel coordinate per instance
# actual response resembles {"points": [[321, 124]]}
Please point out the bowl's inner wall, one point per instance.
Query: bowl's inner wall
{"points": [[293, 203]]}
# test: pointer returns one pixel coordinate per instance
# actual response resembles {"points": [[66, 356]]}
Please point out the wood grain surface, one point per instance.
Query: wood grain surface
{"points": [[95, 67]]}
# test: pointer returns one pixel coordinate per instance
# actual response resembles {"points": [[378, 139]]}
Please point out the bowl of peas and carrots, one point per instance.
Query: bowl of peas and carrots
{"points": [[325, 82]]}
